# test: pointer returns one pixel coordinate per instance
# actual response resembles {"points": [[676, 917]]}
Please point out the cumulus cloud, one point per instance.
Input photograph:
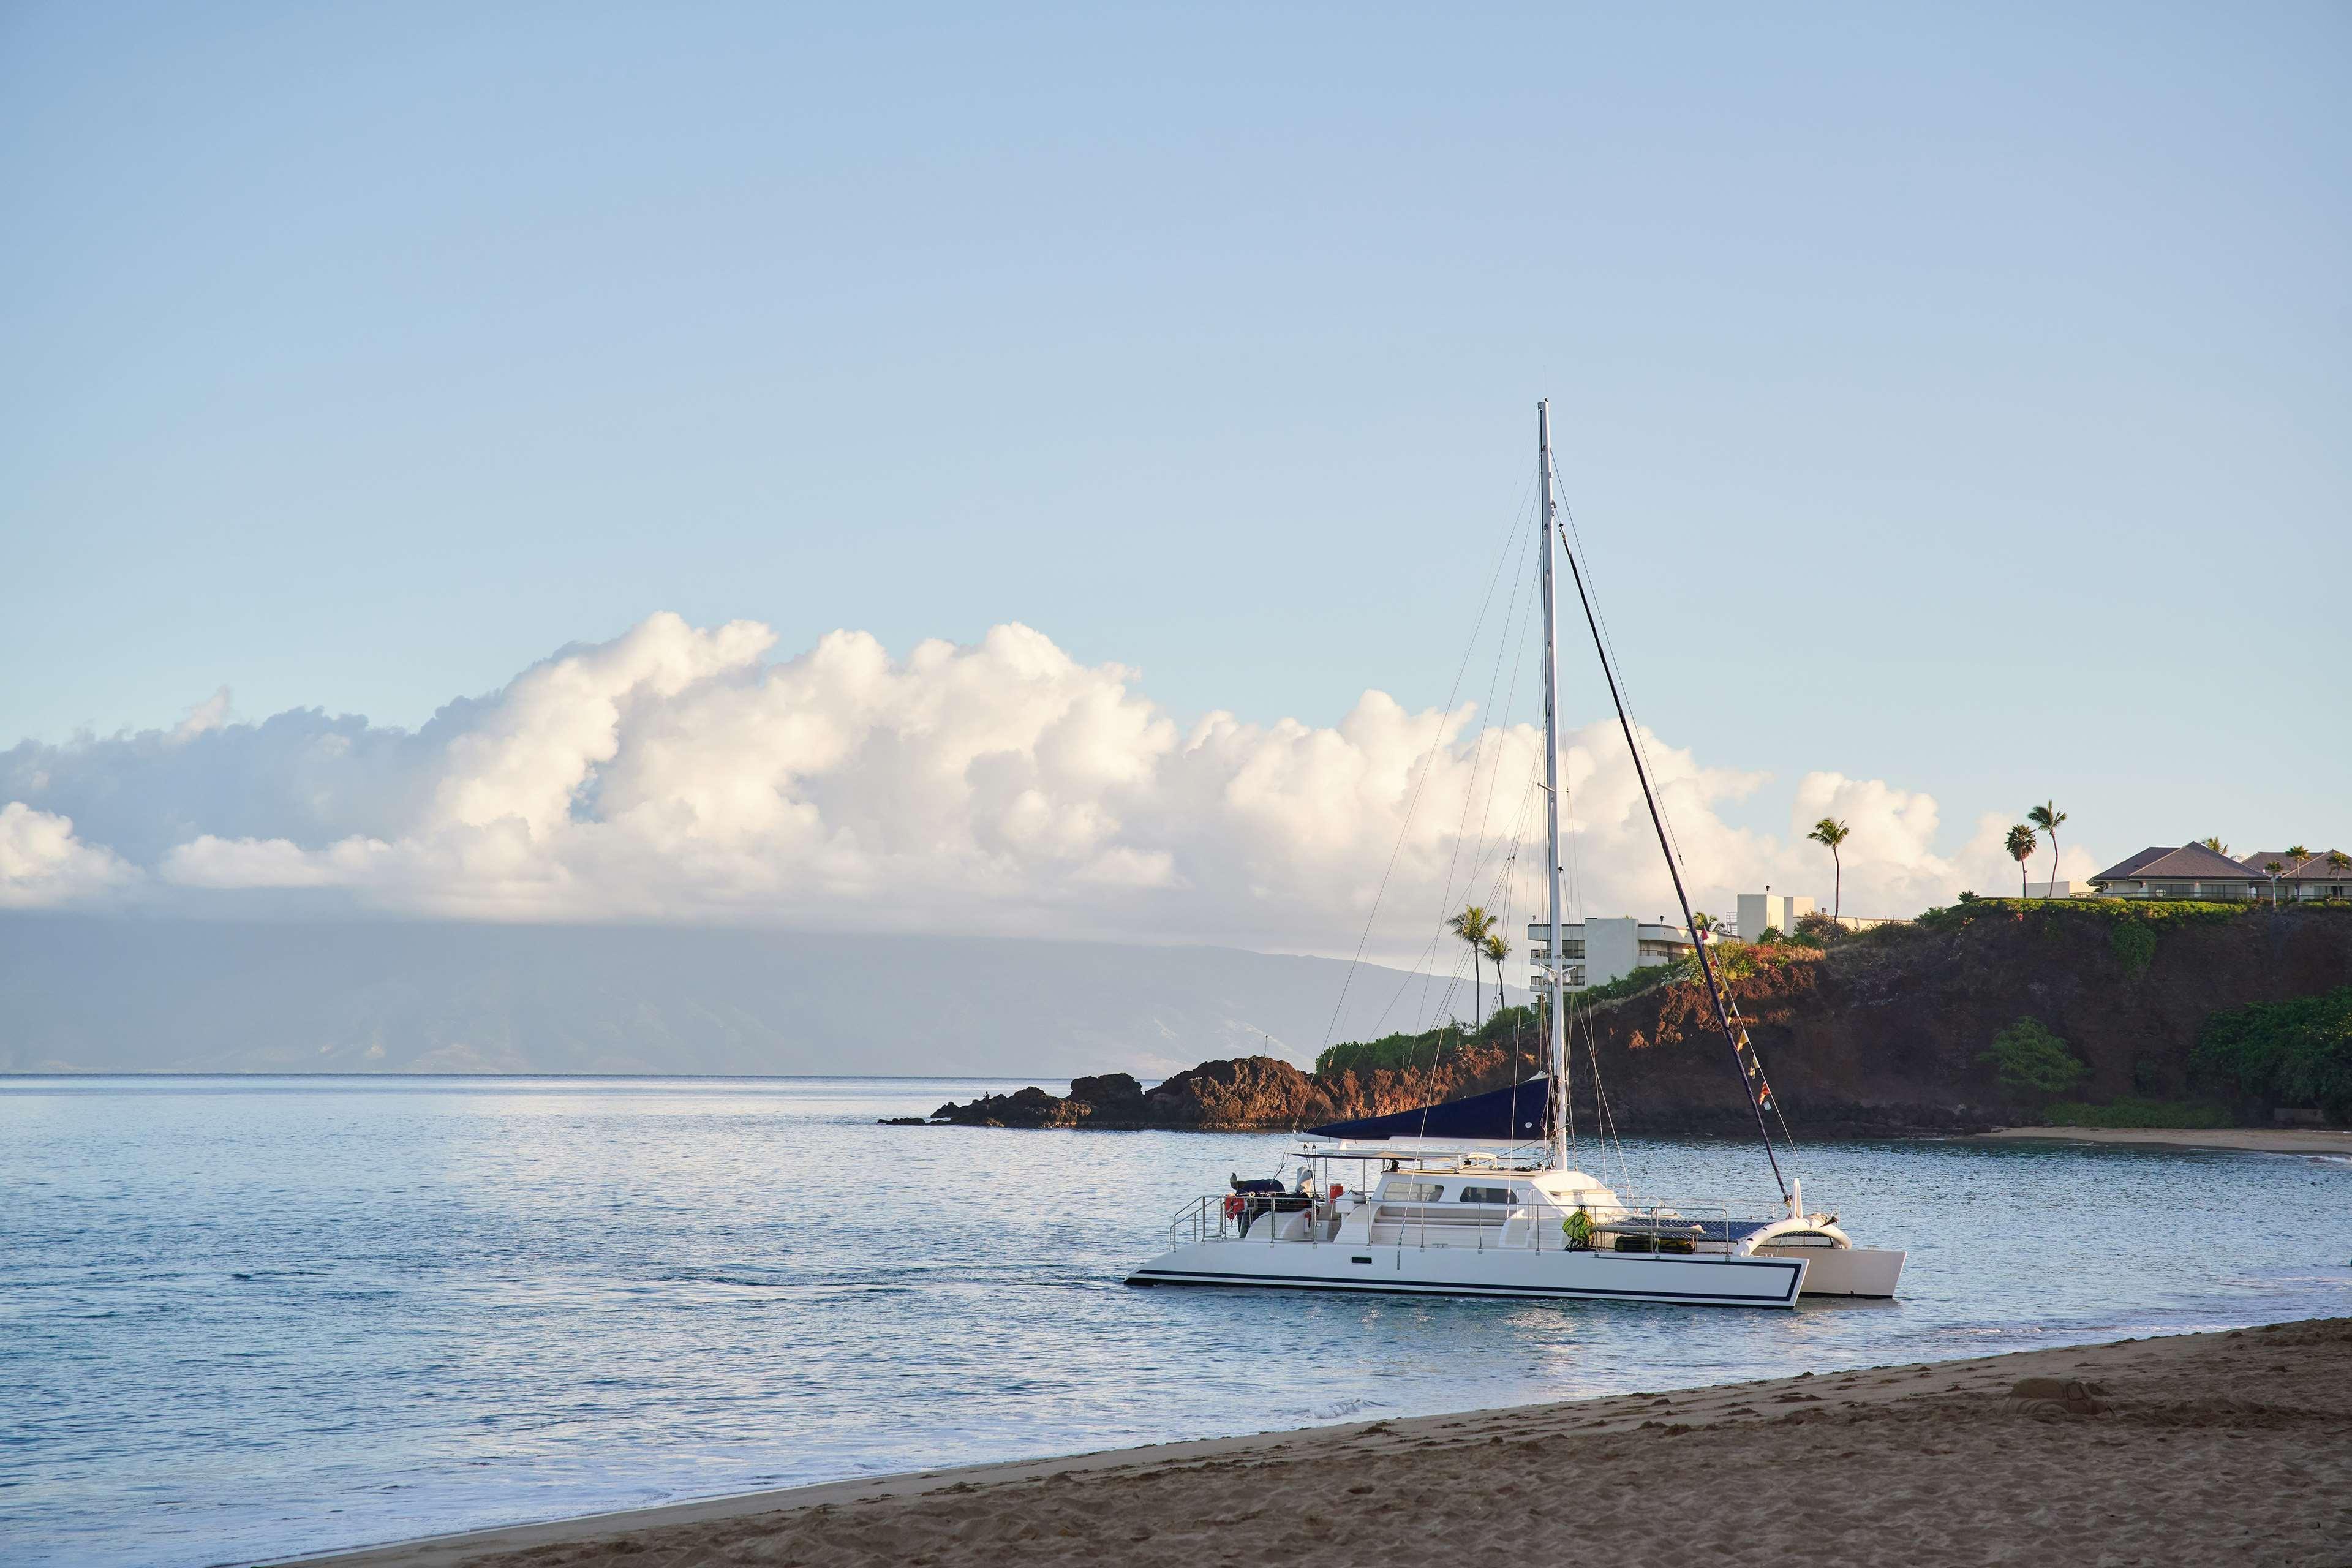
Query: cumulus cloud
{"points": [[43, 863], [677, 773], [210, 714]]}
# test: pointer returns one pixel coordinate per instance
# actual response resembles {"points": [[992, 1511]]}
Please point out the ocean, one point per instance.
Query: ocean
{"points": [[246, 1318]]}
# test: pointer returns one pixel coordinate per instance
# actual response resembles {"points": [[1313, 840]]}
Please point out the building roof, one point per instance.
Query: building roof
{"points": [[2310, 868], [2130, 865], [2191, 862]]}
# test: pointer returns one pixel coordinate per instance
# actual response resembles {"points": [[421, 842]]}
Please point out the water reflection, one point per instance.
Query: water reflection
{"points": [[252, 1317]]}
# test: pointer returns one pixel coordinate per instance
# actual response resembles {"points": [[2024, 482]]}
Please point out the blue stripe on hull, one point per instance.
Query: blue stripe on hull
{"points": [[1408, 1287]]}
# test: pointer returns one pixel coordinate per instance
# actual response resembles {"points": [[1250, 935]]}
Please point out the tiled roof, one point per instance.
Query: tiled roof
{"points": [[2130, 865], [2191, 862], [2310, 868]]}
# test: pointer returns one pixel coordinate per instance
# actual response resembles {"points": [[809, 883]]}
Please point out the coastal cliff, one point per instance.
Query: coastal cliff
{"points": [[1885, 1032]]}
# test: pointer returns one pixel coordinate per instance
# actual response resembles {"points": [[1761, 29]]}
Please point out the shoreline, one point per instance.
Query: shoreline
{"points": [[2245, 1140], [2126, 1459]]}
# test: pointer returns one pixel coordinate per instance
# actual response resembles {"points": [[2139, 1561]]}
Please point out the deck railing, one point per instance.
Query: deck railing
{"points": [[1709, 1229]]}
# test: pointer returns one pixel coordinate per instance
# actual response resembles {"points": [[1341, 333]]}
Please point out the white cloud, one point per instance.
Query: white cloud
{"points": [[43, 864], [676, 774], [209, 714]]}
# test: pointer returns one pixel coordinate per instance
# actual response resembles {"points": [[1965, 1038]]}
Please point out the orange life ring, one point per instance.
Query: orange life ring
{"points": [[1335, 1190], [1234, 1205]]}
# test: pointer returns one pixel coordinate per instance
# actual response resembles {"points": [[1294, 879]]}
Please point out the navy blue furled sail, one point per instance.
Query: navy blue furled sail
{"points": [[1514, 1115]]}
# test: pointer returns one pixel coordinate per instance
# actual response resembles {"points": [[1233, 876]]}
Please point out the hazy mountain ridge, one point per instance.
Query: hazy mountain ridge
{"points": [[80, 993]]}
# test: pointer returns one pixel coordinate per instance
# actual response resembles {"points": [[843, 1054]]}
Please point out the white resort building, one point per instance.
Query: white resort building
{"points": [[1597, 952], [1759, 912]]}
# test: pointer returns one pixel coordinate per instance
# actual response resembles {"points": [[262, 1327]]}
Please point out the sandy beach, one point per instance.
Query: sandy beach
{"points": [[2255, 1139], [2232, 1446]]}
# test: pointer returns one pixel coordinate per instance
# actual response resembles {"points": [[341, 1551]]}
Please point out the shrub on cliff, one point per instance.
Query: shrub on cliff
{"points": [[1818, 931], [2152, 913], [2032, 1060], [2134, 944], [1418, 1053], [2296, 1053]]}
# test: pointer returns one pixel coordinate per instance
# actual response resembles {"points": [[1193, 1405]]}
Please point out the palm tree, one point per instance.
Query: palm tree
{"points": [[1830, 833], [2338, 861], [2297, 857], [1474, 925], [1498, 950], [2021, 844], [2215, 845], [2047, 817], [2272, 869]]}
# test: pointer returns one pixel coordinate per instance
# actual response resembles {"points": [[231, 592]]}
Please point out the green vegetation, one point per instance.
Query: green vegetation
{"points": [[1740, 960], [2289, 1053], [2021, 844], [2033, 1060], [1830, 833], [2155, 913], [1474, 925], [2046, 818], [2131, 1111], [1416, 1053], [2134, 944], [1633, 985], [1496, 951]]}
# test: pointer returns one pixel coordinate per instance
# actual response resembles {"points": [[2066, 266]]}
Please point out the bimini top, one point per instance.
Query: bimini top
{"points": [[1514, 1115]]}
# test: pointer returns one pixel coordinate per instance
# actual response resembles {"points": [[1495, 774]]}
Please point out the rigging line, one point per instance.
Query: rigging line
{"points": [[1786, 1136], [1506, 898], [1707, 963], [1478, 759], [1612, 1137], [1495, 773], [1332, 1028], [1437, 1047], [1508, 846], [1515, 835], [1610, 652], [1510, 840], [1437, 1052], [1420, 971]]}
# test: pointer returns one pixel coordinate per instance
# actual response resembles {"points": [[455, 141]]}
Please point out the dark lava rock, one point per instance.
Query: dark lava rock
{"points": [[1885, 1033]]}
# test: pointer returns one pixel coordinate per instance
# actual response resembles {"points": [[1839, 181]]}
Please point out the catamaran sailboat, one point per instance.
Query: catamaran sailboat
{"points": [[1489, 1214]]}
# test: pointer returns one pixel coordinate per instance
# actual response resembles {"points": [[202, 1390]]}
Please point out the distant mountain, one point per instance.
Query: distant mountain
{"points": [[81, 994]]}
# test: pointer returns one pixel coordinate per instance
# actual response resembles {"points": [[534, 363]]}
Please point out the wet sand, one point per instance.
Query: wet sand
{"points": [[2230, 1446], [2261, 1140]]}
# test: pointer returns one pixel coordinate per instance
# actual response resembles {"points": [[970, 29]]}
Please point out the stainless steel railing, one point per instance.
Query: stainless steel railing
{"points": [[1677, 1229]]}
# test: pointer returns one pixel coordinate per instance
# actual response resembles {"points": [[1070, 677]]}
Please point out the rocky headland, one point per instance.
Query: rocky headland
{"points": [[1887, 1032]]}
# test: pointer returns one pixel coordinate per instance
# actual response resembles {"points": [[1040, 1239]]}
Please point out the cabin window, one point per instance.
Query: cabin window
{"points": [[1485, 1196], [1416, 1192]]}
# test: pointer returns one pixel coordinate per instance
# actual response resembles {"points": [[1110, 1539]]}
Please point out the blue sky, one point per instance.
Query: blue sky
{"points": [[1955, 398]]}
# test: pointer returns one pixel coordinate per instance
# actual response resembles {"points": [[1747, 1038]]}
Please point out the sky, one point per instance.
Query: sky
{"points": [[1951, 404]]}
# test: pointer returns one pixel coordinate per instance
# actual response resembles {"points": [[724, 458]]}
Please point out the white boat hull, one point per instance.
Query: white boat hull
{"points": [[1844, 1270], [1690, 1282]]}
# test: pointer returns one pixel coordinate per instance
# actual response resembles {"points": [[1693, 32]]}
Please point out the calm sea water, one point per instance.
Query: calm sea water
{"points": [[249, 1318]]}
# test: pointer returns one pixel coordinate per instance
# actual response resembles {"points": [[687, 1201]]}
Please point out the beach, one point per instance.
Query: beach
{"points": [[2187, 1449], [2248, 1140]]}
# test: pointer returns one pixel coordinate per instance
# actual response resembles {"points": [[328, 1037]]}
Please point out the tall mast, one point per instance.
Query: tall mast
{"points": [[1555, 1015], [1743, 1055]]}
